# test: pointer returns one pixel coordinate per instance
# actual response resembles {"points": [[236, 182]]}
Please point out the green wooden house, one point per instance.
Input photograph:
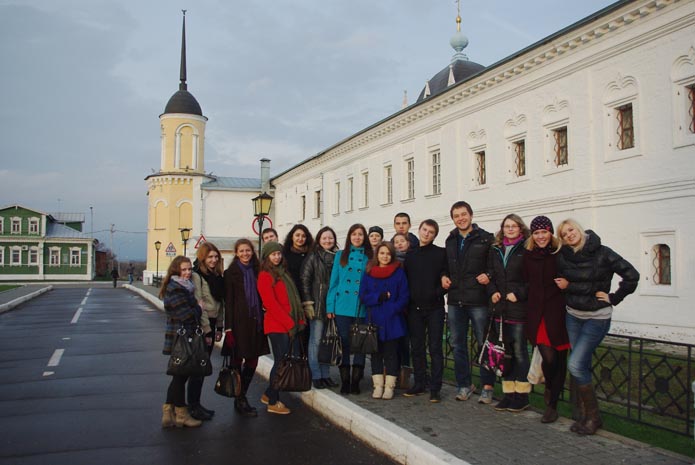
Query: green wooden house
{"points": [[41, 246]]}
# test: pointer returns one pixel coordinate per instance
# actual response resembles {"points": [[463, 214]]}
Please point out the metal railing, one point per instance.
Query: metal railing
{"points": [[641, 380]]}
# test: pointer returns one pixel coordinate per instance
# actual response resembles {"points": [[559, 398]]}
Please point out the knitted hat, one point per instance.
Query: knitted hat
{"points": [[542, 222], [376, 229], [270, 247]]}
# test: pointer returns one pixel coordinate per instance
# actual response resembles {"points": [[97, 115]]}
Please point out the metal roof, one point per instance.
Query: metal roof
{"points": [[226, 183], [57, 230], [68, 217]]}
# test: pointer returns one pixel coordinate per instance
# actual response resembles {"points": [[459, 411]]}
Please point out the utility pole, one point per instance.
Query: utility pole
{"points": [[111, 231]]}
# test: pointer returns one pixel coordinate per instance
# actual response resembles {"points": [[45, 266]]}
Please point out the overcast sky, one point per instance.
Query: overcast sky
{"points": [[84, 82]]}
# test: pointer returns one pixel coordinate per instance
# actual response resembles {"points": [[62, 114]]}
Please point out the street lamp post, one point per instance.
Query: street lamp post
{"points": [[157, 246], [261, 209], [185, 235]]}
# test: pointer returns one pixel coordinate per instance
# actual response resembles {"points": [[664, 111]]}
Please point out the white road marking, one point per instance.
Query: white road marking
{"points": [[66, 338], [49, 373], [55, 358], [88, 291], [84, 301], [77, 316]]}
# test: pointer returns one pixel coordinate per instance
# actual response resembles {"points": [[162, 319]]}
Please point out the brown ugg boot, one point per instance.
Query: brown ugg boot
{"points": [[183, 418], [592, 422], [168, 417]]}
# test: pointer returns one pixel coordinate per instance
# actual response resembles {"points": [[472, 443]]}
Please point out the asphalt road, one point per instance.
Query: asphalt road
{"points": [[82, 382]]}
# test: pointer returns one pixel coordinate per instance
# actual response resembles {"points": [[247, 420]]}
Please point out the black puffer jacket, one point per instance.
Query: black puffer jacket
{"points": [[315, 276], [591, 270], [465, 266], [508, 278]]}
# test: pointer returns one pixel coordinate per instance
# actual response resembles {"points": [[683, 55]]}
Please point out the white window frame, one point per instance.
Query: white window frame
{"points": [[435, 172], [365, 190], [409, 179], [54, 252], [18, 250], [15, 221], [619, 93], [474, 151], [2, 256], [350, 194], [648, 240], [302, 207], [34, 225], [512, 144], [317, 204], [388, 184], [682, 77], [75, 252], [33, 259], [550, 155], [2, 225], [336, 200]]}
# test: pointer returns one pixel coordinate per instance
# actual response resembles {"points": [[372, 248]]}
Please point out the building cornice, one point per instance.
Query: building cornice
{"points": [[187, 116]]}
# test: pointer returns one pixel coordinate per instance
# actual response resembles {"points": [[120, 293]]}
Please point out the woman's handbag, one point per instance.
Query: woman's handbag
{"points": [[228, 380], [493, 355], [293, 373], [189, 356], [330, 345], [364, 337], [535, 371]]}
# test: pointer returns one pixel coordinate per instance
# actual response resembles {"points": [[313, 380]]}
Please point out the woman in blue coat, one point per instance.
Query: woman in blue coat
{"points": [[384, 291], [343, 303]]}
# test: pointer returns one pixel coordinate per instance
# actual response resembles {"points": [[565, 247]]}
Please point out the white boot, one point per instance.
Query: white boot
{"points": [[389, 387], [378, 381]]}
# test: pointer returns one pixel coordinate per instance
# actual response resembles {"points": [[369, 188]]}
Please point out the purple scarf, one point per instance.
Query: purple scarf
{"points": [[251, 293]]}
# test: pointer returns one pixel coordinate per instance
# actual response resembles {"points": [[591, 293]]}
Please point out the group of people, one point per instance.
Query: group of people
{"points": [[552, 290]]}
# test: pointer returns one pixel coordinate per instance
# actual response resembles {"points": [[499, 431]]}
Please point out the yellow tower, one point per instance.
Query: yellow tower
{"points": [[172, 204]]}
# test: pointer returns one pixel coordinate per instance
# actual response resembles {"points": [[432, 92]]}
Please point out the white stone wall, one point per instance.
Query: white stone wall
{"points": [[642, 54]]}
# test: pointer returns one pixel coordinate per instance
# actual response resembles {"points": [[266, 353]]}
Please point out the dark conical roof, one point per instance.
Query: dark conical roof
{"points": [[183, 101], [463, 69]]}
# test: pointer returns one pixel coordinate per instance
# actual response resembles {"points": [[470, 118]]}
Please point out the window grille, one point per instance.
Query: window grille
{"points": [[388, 174], [661, 261], [691, 107], [436, 173], [560, 148], [520, 158], [410, 169], [481, 176], [625, 130]]}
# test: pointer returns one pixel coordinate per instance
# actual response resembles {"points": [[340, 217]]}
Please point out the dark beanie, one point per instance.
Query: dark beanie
{"points": [[270, 247], [542, 222], [376, 229]]}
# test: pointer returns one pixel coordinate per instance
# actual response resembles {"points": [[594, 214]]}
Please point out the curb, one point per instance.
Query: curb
{"points": [[20, 300], [154, 300], [391, 440]]}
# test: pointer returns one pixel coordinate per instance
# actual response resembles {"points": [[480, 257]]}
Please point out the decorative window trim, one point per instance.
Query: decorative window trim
{"points": [[388, 185], [336, 200], [408, 179], [619, 93], [318, 201], [34, 221], [512, 147], [364, 201], [77, 255], [435, 172], [682, 77], [13, 249], [302, 207], [2, 256], [350, 194], [54, 252], [33, 253], [648, 240], [2, 225], [476, 183], [551, 166], [15, 220]]}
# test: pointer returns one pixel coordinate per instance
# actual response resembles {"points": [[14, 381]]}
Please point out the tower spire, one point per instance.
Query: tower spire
{"points": [[182, 84], [459, 41]]}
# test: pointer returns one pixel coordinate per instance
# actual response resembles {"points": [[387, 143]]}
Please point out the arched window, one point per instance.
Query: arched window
{"points": [[661, 264]]}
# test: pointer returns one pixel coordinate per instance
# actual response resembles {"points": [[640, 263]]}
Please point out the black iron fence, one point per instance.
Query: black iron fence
{"points": [[641, 380]]}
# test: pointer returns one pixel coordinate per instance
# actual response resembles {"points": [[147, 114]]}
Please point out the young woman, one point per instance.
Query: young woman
{"points": [[284, 316], [182, 310], [586, 269], [315, 277], [298, 243], [508, 293], [343, 303], [375, 236], [244, 340], [545, 325], [209, 292], [384, 291], [402, 245]]}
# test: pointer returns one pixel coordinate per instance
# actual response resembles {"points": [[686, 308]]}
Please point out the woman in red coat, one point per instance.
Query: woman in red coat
{"points": [[545, 326], [284, 315]]}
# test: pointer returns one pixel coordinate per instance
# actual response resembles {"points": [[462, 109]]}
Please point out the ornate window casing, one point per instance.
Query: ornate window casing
{"points": [[557, 148], [336, 199], [435, 172], [659, 263], [365, 190], [350, 194], [16, 255], [683, 95], [480, 168], [409, 192], [388, 184], [2, 225], [2, 256], [621, 118], [33, 255], [75, 256], [34, 225], [515, 130], [182, 132], [477, 146], [16, 225], [54, 256]]}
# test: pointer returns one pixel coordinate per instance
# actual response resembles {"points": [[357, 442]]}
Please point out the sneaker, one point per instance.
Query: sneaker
{"points": [[465, 393], [278, 408], [435, 397], [504, 403], [519, 403], [414, 391], [486, 396], [264, 399]]}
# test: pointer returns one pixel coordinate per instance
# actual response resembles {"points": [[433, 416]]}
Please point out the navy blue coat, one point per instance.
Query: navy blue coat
{"points": [[388, 315]]}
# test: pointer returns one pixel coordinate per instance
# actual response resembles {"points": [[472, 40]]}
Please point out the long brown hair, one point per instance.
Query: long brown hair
{"points": [[525, 232], [374, 261], [267, 265], [203, 251], [254, 258], [173, 270], [346, 250]]}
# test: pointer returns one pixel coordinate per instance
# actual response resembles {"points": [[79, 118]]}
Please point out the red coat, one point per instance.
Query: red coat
{"points": [[276, 304]]}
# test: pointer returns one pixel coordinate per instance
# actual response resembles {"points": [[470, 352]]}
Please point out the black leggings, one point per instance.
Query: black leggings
{"points": [[176, 394], [554, 369]]}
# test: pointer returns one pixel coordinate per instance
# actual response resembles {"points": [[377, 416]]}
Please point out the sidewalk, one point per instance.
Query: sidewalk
{"points": [[414, 431], [14, 297]]}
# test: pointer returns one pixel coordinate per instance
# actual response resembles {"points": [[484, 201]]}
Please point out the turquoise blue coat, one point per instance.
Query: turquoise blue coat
{"points": [[344, 288]]}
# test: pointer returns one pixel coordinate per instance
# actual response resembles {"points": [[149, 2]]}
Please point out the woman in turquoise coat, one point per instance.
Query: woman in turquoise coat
{"points": [[343, 301]]}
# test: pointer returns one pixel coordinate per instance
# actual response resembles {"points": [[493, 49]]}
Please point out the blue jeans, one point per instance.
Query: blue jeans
{"points": [[280, 343], [318, 370], [585, 337], [343, 323], [515, 341], [459, 318]]}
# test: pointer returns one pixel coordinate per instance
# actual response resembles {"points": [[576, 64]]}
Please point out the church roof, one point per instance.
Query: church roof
{"points": [[225, 183], [462, 71]]}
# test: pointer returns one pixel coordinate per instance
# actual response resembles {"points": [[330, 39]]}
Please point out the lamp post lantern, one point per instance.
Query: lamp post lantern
{"points": [[185, 235], [261, 209], [157, 246]]}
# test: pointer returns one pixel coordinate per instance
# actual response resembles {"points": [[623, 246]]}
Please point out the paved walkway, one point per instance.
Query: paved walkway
{"points": [[412, 430]]}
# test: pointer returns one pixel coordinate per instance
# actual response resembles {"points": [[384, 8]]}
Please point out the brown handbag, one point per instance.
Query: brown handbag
{"points": [[293, 373], [228, 382]]}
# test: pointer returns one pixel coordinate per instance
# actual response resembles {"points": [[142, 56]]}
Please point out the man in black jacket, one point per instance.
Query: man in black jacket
{"points": [[467, 250], [425, 266]]}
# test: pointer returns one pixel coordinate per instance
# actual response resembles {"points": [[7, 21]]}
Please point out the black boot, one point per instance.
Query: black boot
{"points": [[357, 374], [197, 412], [345, 379], [241, 403]]}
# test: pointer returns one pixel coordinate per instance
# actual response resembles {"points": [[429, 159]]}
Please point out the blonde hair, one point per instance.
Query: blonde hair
{"points": [[573, 223], [555, 243]]}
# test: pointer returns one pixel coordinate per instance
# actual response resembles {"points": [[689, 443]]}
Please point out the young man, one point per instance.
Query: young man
{"points": [[466, 251], [401, 223], [131, 271], [269, 235], [424, 268]]}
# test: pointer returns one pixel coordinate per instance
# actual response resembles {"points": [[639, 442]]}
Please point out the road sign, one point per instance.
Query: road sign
{"points": [[201, 241], [267, 223], [171, 250]]}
